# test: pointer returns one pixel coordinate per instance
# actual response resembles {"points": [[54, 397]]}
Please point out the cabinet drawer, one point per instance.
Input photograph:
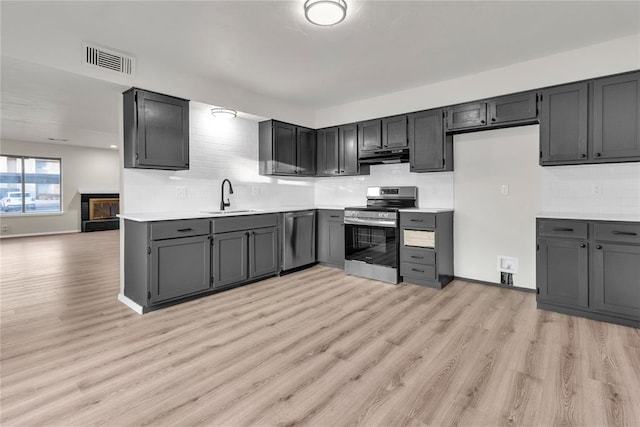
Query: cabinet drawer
{"points": [[418, 256], [617, 232], [244, 222], [330, 215], [417, 220], [559, 228], [179, 228], [419, 271], [418, 238]]}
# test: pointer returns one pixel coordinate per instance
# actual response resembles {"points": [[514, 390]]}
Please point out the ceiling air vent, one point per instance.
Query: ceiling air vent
{"points": [[108, 59]]}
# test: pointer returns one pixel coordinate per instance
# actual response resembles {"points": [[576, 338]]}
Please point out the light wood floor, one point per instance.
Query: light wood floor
{"points": [[315, 347]]}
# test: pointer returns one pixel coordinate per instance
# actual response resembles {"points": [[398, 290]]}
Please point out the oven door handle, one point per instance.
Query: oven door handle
{"points": [[371, 222]]}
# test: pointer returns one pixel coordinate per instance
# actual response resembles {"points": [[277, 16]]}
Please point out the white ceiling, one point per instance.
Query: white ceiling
{"points": [[268, 48]]}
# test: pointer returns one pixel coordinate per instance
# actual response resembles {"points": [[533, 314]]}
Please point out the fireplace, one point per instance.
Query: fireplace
{"points": [[98, 211]]}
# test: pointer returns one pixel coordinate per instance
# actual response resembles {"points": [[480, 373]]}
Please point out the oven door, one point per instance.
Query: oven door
{"points": [[371, 244]]}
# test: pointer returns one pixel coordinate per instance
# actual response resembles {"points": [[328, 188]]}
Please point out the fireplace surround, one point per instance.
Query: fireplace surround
{"points": [[98, 211]]}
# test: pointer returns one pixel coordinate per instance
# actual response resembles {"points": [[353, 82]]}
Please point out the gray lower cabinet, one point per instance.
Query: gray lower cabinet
{"points": [[331, 237], [426, 248], [245, 248], [589, 268], [166, 260]]}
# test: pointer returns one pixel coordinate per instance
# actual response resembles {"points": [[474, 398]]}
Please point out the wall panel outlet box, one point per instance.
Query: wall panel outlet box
{"points": [[507, 264], [504, 189], [181, 192], [596, 189]]}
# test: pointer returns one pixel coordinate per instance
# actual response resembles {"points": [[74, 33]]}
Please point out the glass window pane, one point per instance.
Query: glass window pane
{"points": [[42, 185], [10, 184]]}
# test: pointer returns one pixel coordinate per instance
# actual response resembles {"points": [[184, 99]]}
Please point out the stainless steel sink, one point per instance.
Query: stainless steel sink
{"points": [[232, 212]]}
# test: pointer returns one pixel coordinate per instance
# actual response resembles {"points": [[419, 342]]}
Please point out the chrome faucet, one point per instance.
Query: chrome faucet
{"points": [[226, 204]]}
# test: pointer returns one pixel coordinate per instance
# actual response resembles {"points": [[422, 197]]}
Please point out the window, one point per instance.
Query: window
{"points": [[30, 184]]}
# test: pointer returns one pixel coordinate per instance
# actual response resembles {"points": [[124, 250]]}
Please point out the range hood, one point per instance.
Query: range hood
{"points": [[380, 157]]}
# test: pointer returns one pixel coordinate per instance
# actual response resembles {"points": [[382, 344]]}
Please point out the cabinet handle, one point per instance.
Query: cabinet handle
{"points": [[417, 257], [582, 245], [493, 119], [482, 122], [246, 234], [417, 270], [598, 154], [417, 220], [562, 229], [624, 233], [598, 247], [583, 156], [182, 230], [334, 216]]}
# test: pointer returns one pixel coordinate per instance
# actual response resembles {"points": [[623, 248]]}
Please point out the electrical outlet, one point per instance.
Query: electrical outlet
{"points": [[255, 191], [181, 192], [5, 228], [596, 189], [504, 189]]}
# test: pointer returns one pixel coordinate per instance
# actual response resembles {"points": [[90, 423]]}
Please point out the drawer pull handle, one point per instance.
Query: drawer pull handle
{"points": [[582, 245], [417, 257], [562, 229], [624, 233], [417, 220], [598, 247], [335, 216], [182, 230], [417, 270]]}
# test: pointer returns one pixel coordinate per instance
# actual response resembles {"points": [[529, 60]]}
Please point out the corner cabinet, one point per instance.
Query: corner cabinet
{"points": [[337, 151], [286, 149], [331, 237], [156, 131], [590, 269], [591, 122], [245, 248], [430, 149], [166, 260]]}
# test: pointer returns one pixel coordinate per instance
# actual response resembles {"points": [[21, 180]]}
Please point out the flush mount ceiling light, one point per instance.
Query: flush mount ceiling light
{"points": [[325, 12], [224, 113]]}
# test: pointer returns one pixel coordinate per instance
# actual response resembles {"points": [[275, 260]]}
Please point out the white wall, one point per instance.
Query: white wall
{"points": [[593, 61], [82, 168], [435, 190], [219, 149], [488, 224]]}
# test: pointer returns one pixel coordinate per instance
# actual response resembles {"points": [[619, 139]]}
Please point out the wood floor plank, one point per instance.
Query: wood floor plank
{"points": [[316, 347]]}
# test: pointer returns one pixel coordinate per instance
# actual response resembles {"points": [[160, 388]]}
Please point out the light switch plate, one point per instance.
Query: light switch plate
{"points": [[504, 189]]}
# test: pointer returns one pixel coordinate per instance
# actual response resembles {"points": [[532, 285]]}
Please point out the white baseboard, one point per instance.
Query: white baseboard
{"points": [[6, 236], [129, 303]]}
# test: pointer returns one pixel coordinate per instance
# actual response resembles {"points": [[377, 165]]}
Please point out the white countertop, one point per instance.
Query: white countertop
{"points": [[590, 216], [426, 210], [169, 216]]}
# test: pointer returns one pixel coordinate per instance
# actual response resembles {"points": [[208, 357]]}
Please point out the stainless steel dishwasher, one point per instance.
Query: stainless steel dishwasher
{"points": [[299, 239]]}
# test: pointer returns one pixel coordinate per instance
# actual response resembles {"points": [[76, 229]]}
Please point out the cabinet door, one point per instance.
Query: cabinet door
{"points": [[306, 151], [327, 141], [513, 108], [336, 243], [230, 252], [616, 283], [563, 124], [616, 117], [370, 135], [284, 148], [394, 132], [467, 115], [562, 271], [163, 131], [263, 249], [179, 267], [426, 141], [348, 149]]}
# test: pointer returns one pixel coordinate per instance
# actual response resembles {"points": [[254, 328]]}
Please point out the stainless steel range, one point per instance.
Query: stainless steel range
{"points": [[372, 233]]}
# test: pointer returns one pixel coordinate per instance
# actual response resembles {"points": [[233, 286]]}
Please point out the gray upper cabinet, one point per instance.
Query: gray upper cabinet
{"points": [[616, 118], [286, 149], [513, 108], [430, 149], [306, 151], [467, 116], [563, 124], [156, 130], [370, 135], [327, 152], [394, 132], [348, 149]]}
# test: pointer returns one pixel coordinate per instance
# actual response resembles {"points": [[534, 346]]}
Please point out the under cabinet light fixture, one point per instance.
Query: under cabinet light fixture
{"points": [[224, 113], [325, 12]]}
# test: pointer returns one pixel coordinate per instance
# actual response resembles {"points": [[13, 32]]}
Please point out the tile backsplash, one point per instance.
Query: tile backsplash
{"points": [[597, 189]]}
